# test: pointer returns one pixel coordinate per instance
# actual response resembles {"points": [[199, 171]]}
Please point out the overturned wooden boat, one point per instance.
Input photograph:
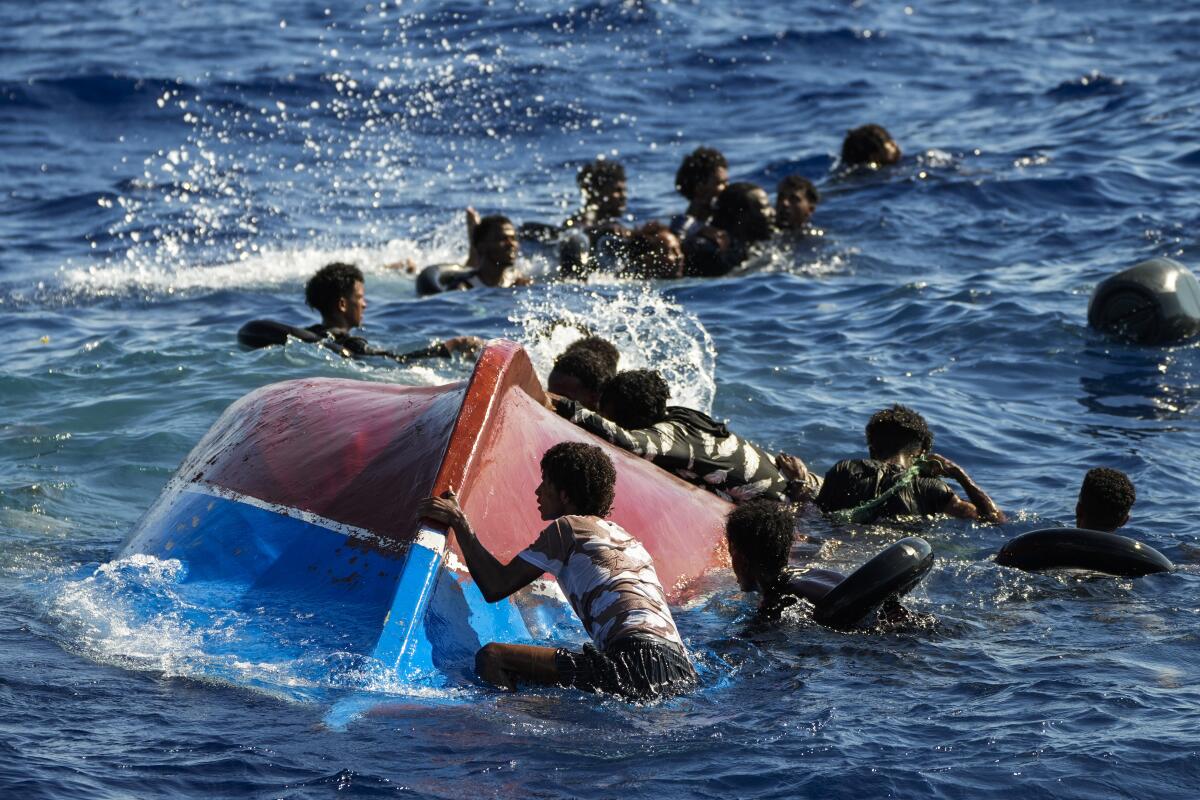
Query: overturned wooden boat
{"points": [[302, 498]]}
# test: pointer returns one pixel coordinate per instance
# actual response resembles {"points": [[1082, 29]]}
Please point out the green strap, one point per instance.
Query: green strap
{"points": [[866, 511]]}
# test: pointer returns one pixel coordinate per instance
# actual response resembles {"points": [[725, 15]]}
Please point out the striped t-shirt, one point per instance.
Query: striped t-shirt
{"points": [[608, 577]]}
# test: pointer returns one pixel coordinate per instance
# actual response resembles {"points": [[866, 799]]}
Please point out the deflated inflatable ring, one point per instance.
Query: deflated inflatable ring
{"points": [[890, 574], [1076, 548]]}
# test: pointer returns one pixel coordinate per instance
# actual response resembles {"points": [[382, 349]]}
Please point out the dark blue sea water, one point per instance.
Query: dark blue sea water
{"points": [[169, 170]]}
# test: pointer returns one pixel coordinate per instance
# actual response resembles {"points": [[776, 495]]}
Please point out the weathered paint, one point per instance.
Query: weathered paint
{"points": [[304, 493]]}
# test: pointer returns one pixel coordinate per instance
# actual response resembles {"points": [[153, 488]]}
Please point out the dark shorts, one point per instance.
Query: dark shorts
{"points": [[634, 667]]}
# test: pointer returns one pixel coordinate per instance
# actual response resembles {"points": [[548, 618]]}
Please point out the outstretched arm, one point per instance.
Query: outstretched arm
{"points": [[980, 507], [496, 581], [637, 442], [472, 223]]}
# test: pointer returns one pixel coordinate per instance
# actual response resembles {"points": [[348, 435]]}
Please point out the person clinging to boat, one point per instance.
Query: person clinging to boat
{"points": [[1105, 499], [634, 415], [579, 375], [608, 577], [902, 477]]}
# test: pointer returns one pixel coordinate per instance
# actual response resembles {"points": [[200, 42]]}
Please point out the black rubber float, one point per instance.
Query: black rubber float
{"points": [[438, 278], [266, 332], [1154, 302], [1076, 548], [890, 574]]}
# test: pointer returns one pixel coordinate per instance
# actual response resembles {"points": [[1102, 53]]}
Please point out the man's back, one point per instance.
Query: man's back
{"points": [[852, 482]]}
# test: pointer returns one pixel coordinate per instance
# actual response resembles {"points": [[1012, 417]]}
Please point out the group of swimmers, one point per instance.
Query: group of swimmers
{"points": [[607, 575], [719, 230]]}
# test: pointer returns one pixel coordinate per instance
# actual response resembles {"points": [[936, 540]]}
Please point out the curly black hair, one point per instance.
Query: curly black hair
{"points": [[599, 174], [761, 532], [602, 347], [485, 226], [647, 254], [896, 430], [1106, 497], [585, 473], [697, 167], [586, 366], [793, 183], [635, 398], [331, 283], [740, 214], [868, 145]]}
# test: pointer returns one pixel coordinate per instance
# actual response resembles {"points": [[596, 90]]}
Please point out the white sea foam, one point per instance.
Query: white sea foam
{"points": [[138, 613], [650, 330]]}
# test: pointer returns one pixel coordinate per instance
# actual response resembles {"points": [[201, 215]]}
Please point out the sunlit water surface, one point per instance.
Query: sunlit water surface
{"points": [[174, 169]]}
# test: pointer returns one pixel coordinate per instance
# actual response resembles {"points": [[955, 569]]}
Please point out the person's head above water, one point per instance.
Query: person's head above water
{"points": [[795, 200], [702, 176], [869, 145], [495, 242], [655, 252], [604, 189], [577, 478], [635, 398], [744, 211], [606, 350], [898, 430], [759, 534], [579, 375], [337, 293], [1105, 499]]}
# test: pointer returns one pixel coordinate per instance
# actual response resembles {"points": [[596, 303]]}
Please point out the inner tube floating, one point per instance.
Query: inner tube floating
{"points": [[1077, 548], [891, 574], [1154, 302], [266, 332], [438, 278]]}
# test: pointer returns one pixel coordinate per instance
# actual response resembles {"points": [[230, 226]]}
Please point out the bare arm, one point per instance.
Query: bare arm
{"points": [[803, 485], [496, 581], [980, 507]]}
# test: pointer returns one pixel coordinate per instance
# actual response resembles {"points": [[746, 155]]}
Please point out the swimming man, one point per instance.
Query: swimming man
{"points": [[1105, 499], [896, 437]]}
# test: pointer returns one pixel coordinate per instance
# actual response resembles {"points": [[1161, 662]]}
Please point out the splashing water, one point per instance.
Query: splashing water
{"points": [[651, 331]]}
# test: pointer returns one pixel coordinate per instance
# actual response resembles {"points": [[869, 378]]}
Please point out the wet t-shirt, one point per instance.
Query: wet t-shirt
{"points": [[608, 577], [855, 481]]}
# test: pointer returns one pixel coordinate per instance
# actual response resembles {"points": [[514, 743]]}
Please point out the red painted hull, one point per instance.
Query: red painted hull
{"points": [[363, 454]]}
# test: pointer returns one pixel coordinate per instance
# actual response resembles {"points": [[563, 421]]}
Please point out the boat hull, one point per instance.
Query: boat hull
{"points": [[302, 498]]}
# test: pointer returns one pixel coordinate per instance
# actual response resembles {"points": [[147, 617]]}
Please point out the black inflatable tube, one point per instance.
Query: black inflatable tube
{"points": [[890, 574], [1076, 548], [437, 278], [266, 332]]}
